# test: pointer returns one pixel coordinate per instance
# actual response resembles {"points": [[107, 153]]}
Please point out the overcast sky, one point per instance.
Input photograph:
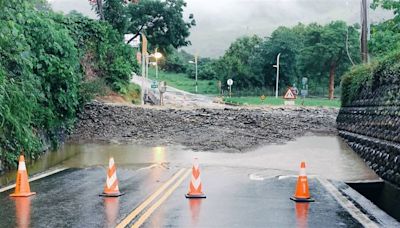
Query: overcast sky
{"points": [[219, 22]]}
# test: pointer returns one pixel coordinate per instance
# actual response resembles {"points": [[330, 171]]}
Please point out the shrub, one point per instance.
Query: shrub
{"points": [[43, 59], [363, 79]]}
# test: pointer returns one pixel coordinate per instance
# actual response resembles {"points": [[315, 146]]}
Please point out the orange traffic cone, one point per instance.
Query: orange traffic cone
{"points": [[302, 193], [195, 183], [22, 188], [111, 188]]}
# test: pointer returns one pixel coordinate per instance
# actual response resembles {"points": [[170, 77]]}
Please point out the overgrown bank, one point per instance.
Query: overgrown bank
{"points": [[370, 117], [50, 65]]}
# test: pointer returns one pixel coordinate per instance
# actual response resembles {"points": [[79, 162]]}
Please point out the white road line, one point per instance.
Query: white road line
{"points": [[348, 205], [43, 175]]}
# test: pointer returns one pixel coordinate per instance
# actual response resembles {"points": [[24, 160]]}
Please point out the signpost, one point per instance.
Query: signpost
{"points": [[304, 89], [230, 83], [289, 97], [154, 84], [162, 87]]}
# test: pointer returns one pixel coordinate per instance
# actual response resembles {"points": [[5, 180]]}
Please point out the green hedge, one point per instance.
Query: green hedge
{"points": [[367, 79]]}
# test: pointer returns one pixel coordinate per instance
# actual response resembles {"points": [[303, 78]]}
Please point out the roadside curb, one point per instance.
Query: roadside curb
{"points": [[36, 177], [365, 209]]}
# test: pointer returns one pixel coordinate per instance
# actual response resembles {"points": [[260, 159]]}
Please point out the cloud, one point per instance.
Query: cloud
{"points": [[66, 6]]}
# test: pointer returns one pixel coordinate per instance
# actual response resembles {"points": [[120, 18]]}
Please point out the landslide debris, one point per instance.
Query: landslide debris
{"points": [[228, 129]]}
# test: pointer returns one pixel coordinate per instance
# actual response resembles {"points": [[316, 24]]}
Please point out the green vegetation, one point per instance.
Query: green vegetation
{"points": [[385, 36], [322, 53], [132, 94], [384, 69], [50, 65], [183, 82], [366, 78], [320, 102], [161, 21], [313, 51]]}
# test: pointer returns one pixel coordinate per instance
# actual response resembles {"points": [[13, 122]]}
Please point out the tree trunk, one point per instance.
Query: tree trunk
{"points": [[100, 9], [332, 81]]}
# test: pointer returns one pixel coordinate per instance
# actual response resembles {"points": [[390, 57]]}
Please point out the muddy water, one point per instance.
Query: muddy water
{"points": [[326, 156]]}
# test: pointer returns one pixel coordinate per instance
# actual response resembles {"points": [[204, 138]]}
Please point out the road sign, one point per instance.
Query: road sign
{"points": [[304, 92], [162, 87], [229, 82], [289, 94], [263, 97], [154, 84]]}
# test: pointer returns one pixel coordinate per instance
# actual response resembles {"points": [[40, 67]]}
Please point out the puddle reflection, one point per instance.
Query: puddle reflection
{"points": [[111, 209], [302, 214], [195, 208], [159, 154], [22, 211]]}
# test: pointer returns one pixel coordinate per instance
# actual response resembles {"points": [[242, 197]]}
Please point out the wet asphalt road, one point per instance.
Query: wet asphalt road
{"points": [[243, 190], [177, 97], [233, 200], [70, 199]]}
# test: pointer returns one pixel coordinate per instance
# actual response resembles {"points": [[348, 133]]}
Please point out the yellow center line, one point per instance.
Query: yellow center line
{"points": [[147, 214], [143, 205]]}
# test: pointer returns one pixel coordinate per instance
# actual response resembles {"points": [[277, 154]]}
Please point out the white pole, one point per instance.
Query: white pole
{"points": [[156, 68], [195, 61], [143, 75], [277, 75], [147, 72], [156, 57]]}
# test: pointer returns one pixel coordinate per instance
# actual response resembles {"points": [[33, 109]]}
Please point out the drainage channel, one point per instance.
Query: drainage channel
{"points": [[382, 193]]}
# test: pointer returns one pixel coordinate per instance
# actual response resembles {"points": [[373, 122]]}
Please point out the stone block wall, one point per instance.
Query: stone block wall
{"points": [[370, 125]]}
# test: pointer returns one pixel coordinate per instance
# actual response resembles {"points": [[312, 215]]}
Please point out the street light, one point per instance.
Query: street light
{"points": [[277, 75], [195, 63], [157, 55]]}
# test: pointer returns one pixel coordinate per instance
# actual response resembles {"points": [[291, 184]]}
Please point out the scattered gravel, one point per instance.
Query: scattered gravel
{"points": [[228, 129]]}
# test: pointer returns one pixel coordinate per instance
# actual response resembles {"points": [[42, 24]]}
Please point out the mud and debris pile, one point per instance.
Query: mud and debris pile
{"points": [[228, 129]]}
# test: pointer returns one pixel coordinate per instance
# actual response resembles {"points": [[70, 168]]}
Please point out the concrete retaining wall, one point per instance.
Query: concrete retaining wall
{"points": [[371, 126]]}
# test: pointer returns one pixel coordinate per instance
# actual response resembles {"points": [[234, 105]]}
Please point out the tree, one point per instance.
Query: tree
{"points": [[385, 36], [288, 42], [393, 5], [236, 63], [205, 69], [114, 13], [176, 61], [330, 48], [161, 21]]}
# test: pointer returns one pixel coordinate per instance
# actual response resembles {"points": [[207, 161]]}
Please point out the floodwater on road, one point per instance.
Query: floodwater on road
{"points": [[326, 156]]}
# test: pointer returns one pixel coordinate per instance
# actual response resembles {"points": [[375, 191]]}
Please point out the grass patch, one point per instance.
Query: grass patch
{"points": [[132, 93], [183, 82], [318, 102]]}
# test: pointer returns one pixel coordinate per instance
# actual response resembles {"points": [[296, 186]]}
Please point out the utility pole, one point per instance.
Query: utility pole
{"points": [[364, 31], [98, 6], [100, 9], [144, 68]]}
